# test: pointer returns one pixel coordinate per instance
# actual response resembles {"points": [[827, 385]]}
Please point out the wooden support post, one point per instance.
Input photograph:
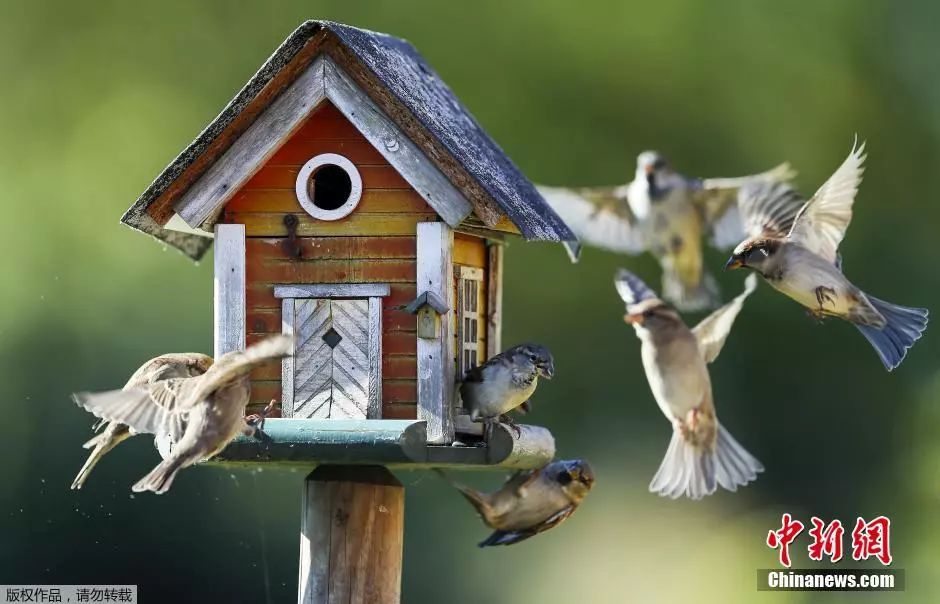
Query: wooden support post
{"points": [[351, 536]]}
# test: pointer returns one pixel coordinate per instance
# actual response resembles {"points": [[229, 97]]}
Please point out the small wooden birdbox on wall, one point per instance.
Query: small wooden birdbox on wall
{"points": [[356, 204]]}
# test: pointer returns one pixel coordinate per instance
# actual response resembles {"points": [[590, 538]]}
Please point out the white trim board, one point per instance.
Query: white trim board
{"points": [[229, 302], [333, 290], [322, 80]]}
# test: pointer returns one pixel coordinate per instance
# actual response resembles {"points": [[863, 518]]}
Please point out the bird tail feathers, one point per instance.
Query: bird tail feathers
{"points": [[696, 472], [476, 498], [904, 326], [691, 298], [102, 444], [160, 478]]}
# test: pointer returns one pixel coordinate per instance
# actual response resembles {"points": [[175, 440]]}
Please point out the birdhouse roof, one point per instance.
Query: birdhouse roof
{"points": [[405, 87]]}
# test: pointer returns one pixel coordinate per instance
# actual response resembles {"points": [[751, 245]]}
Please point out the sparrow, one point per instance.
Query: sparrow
{"points": [[530, 501], [701, 454], [163, 367], [199, 415], [666, 214], [505, 382], [800, 258]]}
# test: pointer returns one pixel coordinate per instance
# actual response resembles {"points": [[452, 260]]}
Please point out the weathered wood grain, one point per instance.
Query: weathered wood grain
{"points": [[332, 290], [395, 146], [296, 152], [374, 408], [253, 147], [332, 271], [327, 122], [400, 411], [435, 273], [268, 320], [332, 248], [229, 288], [288, 364], [351, 537], [469, 251], [261, 295], [494, 302], [394, 367], [271, 224], [399, 391], [373, 201], [284, 177]]}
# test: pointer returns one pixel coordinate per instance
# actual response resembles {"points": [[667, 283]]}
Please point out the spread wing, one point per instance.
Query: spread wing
{"points": [[712, 332], [821, 223], [768, 208], [631, 288], [233, 365], [599, 216], [165, 366], [509, 537], [717, 201], [157, 408]]}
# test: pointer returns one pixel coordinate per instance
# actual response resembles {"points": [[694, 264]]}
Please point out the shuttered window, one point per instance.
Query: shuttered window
{"points": [[470, 318]]}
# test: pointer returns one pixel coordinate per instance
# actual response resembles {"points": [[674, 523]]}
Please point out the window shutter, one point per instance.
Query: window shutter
{"points": [[470, 318]]}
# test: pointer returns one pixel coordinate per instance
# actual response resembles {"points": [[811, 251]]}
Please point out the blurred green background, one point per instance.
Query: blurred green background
{"points": [[98, 97]]}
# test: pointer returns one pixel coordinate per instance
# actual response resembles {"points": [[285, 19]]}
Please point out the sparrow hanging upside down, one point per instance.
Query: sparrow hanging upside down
{"points": [[701, 454], [800, 258], [199, 416], [505, 382], [531, 501], [666, 214]]}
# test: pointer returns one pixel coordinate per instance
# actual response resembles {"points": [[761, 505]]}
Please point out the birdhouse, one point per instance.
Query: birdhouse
{"points": [[356, 204]]}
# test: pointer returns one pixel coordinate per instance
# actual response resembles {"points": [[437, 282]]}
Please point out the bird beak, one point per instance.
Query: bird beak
{"points": [[581, 472], [547, 370], [636, 319], [649, 169], [733, 263]]}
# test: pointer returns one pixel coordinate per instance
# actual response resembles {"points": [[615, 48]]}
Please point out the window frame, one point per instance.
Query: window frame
{"points": [[302, 188], [469, 353]]}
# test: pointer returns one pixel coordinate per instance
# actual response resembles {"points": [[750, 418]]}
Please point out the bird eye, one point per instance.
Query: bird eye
{"points": [[533, 357], [564, 478]]}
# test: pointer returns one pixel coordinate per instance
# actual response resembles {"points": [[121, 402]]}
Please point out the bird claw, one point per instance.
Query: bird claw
{"points": [[825, 295], [255, 421], [508, 421]]}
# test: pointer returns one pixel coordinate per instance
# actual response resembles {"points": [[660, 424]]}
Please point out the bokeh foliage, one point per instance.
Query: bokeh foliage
{"points": [[98, 97]]}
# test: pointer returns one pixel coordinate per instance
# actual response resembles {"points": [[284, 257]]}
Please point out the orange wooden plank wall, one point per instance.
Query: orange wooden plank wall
{"points": [[376, 243]]}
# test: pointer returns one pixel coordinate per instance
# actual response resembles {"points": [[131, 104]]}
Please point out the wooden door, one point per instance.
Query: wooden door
{"points": [[332, 358]]}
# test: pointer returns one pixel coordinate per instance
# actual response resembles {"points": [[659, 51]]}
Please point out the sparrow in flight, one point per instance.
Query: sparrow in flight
{"points": [[666, 214], [163, 367], [530, 501], [800, 258], [198, 415], [701, 454]]}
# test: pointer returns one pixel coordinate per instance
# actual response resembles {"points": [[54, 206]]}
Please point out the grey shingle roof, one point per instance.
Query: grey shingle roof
{"points": [[396, 66]]}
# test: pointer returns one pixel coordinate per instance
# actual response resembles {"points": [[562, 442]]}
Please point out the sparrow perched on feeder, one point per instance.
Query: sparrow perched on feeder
{"points": [[666, 214], [800, 258], [701, 454], [163, 367], [505, 382], [531, 501], [200, 415]]}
